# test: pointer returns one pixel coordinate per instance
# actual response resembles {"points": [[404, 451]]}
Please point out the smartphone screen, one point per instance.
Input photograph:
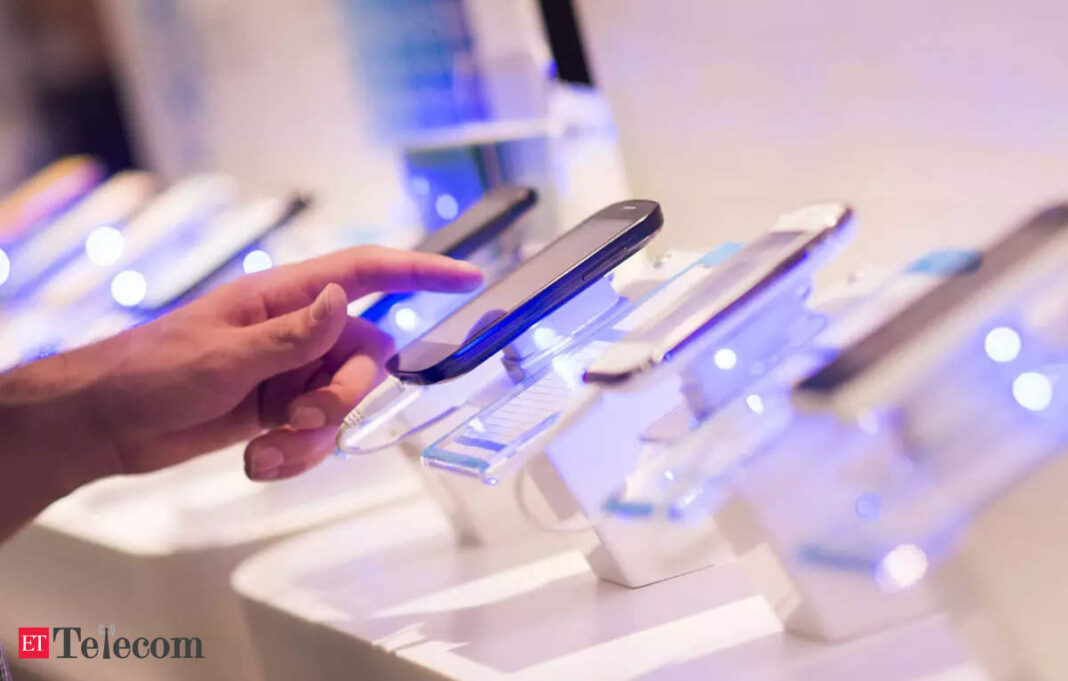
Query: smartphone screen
{"points": [[589, 240], [938, 302]]}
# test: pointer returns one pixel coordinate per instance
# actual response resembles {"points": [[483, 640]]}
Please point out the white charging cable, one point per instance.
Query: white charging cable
{"points": [[579, 525], [377, 410]]}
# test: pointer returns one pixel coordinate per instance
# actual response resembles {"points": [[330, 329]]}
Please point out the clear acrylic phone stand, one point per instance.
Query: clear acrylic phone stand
{"points": [[473, 427], [613, 433], [858, 513]]}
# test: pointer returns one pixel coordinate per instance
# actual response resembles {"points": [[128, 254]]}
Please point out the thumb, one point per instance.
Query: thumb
{"points": [[296, 338]]}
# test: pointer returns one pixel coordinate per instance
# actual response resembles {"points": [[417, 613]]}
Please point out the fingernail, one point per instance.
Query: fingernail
{"points": [[472, 269], [307, 418], [263, 461], [320, 308]]}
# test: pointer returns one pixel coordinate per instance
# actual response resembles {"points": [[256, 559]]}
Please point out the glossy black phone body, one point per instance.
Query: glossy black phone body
{"points": [[535, 288], [477, 226]]}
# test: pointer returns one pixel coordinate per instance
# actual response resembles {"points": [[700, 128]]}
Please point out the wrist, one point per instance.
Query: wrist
{"points": [[47, 424]]}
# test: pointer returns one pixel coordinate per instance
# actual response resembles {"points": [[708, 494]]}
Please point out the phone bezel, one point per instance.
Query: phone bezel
{"points": [[551, 296]]}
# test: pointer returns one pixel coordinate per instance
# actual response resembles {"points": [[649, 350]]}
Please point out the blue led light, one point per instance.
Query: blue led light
{"points": [[1002, 344], [755, 404], [406, 318], [420, 186], [901, 568], [867, 506], [544, 337], [128, 288], [1033, 391], [5, 266], [446, 207], [104, 246], [257, 261], [725, 359]]}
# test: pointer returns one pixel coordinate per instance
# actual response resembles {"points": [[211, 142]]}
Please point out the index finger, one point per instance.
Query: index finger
{"points": [[362, 270]]}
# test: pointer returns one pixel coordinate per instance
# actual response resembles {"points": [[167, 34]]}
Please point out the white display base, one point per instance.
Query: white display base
{"points": [[389, 595], [1006, 587], [492, 515], [153, 555]]}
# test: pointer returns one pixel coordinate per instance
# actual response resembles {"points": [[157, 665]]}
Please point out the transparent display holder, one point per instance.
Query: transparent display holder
{"points": [[537, 370], [995, 462], [640, 424], [412, 417], [683, 475], [679, 477], [858, 511], [543, 381]]}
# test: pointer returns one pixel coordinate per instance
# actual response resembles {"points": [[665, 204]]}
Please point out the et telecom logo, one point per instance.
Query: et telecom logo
{"points": [[34, 644]]}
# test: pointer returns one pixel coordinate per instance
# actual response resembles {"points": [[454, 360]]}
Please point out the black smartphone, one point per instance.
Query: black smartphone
{"points": [[480, 224], [937, 314], [535, 288]]}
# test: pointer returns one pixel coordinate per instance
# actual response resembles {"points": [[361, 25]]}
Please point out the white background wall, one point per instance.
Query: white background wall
{"points": [[276, 100], [941, 121]]}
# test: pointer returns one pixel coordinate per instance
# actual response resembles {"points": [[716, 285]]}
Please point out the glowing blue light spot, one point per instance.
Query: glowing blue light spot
{"points": [[477, 425], [420, 186], [755, 404], [901, 568], [446, 207], [1002, 344], [492, 482], [868, 421], [104, 246], [569, 370], [1033, 391], [686, 500], [544, 337], [406, 318], [867, 506], [5, 266], [725, 359], [128, 288], [669, 475], [257, 261]]}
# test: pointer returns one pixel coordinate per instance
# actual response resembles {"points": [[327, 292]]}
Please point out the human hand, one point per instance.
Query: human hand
{"points": [[272, 351]]}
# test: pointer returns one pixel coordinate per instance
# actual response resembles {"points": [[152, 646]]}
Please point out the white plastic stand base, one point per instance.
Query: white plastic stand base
{"points": [[389, 595], [153, 554], [591, 462], [1006, 587], [486, 515], [780, 501]]}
